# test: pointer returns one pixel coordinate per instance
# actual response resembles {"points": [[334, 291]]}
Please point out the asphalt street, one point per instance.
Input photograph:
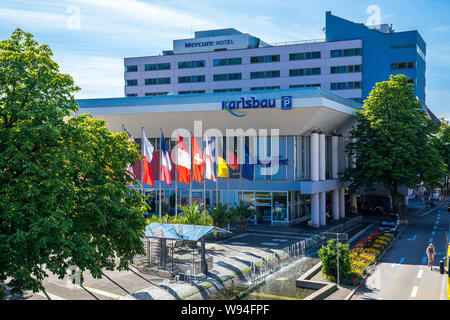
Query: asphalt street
{"points": [[402, 273]]}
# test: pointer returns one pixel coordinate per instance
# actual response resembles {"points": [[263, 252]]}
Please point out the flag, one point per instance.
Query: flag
{"points": [[209, 163], [233, 161], [129, 167], [198, 162], [184, 162], [148, 156], [222, 169], [165, 162], [247, 167]]}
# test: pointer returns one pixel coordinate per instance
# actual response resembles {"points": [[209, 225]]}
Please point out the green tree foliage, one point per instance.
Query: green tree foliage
{"points": [[64, 198], [241, 211], [328, 256], [194, 215], [221, 215], [443, 143], [394, 142]]}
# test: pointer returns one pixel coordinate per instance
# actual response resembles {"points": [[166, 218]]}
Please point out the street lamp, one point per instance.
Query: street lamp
{"points": [[337, 236]]}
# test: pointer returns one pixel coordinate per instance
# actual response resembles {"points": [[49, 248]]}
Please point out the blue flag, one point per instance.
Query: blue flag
{"points": [[247, 167]]}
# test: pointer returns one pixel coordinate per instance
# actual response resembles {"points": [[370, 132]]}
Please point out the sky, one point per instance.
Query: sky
{"points": [[90, 38]]}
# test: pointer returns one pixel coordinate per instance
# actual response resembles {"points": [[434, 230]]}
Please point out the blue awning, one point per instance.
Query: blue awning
{"points": [[179, 231]]}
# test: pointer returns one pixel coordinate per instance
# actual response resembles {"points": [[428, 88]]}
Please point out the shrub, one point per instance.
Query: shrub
{"points": [[327, 255]]}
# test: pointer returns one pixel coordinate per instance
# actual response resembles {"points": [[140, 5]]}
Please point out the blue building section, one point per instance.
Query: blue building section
{"points": [[384, 52]]}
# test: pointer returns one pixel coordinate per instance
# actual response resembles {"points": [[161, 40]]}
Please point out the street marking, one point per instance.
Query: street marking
{"points": [[438, 218], [401, 260], [414, 292], [241, 244], [433, 233], [419, 275], [101, 292], [260, 294], [437, 222], [431, 240], [414, 238], [435, 227], [424, 259]]}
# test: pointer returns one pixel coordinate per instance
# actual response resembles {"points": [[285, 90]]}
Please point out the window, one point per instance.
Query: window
{"points": [[264, 74], [403, 65], [346, 53], [346, 69], [155, 81], [157, 66], [131, 68], [304, 85], [304, 55], [191, 64], [189, 79], [227, 90], [191, 92], [345, 85], [265, 88], [131, 95], [227, 62], [227, 76], [304, 72], [131, 83], [264, 59], [151, 94]]}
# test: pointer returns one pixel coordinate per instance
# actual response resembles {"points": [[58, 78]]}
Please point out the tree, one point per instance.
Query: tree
{"points": [[64, 198], [394, 144], [443, 144], [327, 255], [241, 212], [220, 215], [194, 215]]}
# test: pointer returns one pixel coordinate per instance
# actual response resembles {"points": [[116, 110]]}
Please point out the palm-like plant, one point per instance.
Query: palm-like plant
{"points": [[194, 215], [220, 215], [241, 212]]}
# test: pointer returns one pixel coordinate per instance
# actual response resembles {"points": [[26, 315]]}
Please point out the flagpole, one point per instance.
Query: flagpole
{"points": [[160, 173], [176, 184], [204, 177], [217, 172], [192, 169], [142, 161]]}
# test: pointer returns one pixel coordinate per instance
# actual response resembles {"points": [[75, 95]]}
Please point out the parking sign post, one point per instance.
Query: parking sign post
{"points": [[339, 236]]}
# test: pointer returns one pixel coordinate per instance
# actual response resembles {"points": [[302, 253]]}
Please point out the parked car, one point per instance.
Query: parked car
{"points": [[390, 223]]}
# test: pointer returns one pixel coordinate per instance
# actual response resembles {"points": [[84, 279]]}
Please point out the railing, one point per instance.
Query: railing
{"points": [[291, 43]]}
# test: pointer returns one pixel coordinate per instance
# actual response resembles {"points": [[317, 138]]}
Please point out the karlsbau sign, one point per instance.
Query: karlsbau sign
{"points": [[239, 41], [254, 103]]}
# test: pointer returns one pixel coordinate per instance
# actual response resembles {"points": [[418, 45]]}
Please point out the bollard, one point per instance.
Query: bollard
{"points": [[441, 265]]}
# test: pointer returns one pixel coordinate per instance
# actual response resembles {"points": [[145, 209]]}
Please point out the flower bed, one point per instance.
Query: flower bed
{"points": [[367, 253]]}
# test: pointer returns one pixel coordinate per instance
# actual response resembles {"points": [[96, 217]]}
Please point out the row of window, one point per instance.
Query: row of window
{"points": [[403, 65], [345, 69], [345, 85], [255, 59]]}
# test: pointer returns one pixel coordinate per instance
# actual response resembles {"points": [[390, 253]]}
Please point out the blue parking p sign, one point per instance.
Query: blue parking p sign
{"points": [[286, 103]]}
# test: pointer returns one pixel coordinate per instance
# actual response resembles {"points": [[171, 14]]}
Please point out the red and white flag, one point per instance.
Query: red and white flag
{"points": [[198, 160], [209, 161], [184, 162], [166, 166], [148, 156]]}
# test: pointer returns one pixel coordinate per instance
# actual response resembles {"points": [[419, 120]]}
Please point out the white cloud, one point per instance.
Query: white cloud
{"points": [[98, 77]]}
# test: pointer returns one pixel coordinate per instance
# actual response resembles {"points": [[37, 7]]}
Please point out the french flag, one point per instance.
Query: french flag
{"points": [[165, 162]]}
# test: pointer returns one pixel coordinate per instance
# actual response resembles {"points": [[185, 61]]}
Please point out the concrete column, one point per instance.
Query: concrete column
{"points": [[315, 210], [322, 209], [354, 201], [322, 156], [334, 156], [335, 204], [314, 150], [342, 203]]}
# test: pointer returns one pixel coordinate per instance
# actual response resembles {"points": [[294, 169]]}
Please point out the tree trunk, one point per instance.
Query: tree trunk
{"points": [[394, 195]]}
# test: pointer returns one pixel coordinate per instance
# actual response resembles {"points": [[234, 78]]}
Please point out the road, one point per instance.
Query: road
{"points": [[402, 273]]}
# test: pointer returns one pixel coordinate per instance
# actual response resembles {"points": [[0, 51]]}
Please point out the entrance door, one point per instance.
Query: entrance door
{"points": [[264, 214]]}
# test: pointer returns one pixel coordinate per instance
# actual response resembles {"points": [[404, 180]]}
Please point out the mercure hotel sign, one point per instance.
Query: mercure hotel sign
{"points": [[239, 41]]}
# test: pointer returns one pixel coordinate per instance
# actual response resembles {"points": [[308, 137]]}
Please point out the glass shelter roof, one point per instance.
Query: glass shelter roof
{"points": [[179, 231]]}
